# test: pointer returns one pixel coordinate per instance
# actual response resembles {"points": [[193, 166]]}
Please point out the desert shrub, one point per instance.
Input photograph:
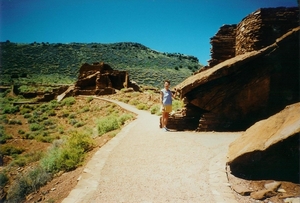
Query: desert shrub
{"points": [[155, 109], [84, 109], [79, 124], [134, 102], [124, 117], [35, 127], [125, 100], [43, 117], [3, 119], [33, 119], [3, 179], [73, 121], [21, 132], [10, 150], [51, 112], [53, 104], [27, 183], [46, 137], [3, 135], [70, 158], [69, 101], [65, 113], [9, 109], [89, 99], [49, 122], [29, 106], [27, 136], [113, 133], [23, 160], [142, 106], [72, 115], [80, 140], [135, 94], [25, 110], [107, 124], [14, 122], [3, 94], [60, 130], [36, 113], [177, 104], [27, 115], [68, 155], [19, 161]]}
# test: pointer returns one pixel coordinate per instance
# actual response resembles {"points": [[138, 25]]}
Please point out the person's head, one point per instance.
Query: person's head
{"points": [[167, 84]]}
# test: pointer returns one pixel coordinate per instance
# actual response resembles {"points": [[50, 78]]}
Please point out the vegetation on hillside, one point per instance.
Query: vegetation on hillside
{"points": [[44, 63], [40, 140]]}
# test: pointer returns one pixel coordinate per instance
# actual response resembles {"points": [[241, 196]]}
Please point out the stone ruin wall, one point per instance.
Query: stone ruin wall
{"points": [[101, 79], [263, 27], [256, 31], [223, 45]]}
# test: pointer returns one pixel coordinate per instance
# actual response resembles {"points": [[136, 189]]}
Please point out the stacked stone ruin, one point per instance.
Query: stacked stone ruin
{"points": [[223, 44], [258, 30], [101, 79]]}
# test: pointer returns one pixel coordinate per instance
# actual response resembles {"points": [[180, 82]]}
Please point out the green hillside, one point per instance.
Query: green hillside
{"points": [[44, 63]]}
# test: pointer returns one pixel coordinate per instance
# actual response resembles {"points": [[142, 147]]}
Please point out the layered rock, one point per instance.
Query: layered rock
{"points": [[223, 45], [256, 31], [263, 27], [249, 87], [269, 149]]}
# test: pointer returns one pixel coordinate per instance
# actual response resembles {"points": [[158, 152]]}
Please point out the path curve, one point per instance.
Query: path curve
{"points": [[143, 164]]}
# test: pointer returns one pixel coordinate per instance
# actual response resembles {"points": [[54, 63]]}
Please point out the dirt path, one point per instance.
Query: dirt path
{"points": [[144, 164]]}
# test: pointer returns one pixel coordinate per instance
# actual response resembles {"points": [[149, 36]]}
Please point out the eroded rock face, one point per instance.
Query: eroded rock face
{"points": [[269, 149], [256, 31], [101, 79], [248, 87]]}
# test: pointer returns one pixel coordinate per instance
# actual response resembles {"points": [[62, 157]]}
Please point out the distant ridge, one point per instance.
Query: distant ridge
{"points": [[27, 62]]}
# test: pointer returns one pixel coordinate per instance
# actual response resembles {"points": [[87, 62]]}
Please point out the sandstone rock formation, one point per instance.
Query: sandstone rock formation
{"points": [[249, 87], [223, 45], [256, 31], [101, 79], [269, 150], [253, 73]]}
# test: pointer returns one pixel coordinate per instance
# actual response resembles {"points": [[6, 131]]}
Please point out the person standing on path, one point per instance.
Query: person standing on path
{"points": [[166, 104]]}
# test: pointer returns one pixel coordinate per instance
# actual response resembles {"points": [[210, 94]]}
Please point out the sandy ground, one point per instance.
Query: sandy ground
{"points": [[144, 164]]}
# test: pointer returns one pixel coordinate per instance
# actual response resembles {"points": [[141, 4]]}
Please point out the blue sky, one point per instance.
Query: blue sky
{"points": [[174, 26]]}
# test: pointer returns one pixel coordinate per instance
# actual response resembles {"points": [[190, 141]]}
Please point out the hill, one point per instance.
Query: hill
{"points": [[44, 63]]}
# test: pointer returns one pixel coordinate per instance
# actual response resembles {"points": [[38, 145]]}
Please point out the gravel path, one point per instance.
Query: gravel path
{"points": [[143, 164]]}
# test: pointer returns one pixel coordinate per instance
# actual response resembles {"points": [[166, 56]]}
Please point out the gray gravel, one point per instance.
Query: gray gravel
{"points": [[144, 164]]}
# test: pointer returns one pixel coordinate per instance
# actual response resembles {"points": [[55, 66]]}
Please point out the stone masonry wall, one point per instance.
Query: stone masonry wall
{"points": [[223, 45], [256, 31], [263, 27]]}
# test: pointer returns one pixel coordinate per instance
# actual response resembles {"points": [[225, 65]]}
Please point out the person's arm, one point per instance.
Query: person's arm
{"points": [[161, 97]]}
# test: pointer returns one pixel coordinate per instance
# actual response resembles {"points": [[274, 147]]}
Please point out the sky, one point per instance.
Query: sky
{"points": [[173, 26]]}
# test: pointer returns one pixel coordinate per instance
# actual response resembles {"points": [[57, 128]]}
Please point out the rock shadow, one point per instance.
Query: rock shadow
{"points": [[279, 162]]}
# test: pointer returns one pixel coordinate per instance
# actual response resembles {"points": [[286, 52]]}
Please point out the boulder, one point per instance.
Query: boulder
{"points": [[269, 150]]}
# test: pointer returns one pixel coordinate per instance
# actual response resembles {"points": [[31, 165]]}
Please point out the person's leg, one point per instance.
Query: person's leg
{"points": [[166, 117]]}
